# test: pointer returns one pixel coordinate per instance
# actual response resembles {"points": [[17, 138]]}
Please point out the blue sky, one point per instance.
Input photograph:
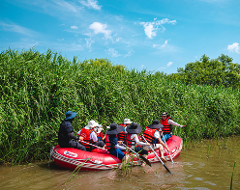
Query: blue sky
{"points": [[157, 35]]}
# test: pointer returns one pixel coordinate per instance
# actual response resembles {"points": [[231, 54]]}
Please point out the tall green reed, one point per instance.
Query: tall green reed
{"points": [[37, 89]]}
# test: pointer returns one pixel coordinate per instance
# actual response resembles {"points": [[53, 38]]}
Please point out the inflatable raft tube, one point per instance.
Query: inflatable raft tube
{"points": [[98, 159]]}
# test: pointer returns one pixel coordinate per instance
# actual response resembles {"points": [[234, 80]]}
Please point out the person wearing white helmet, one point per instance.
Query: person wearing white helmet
{"points": [[99, 132], [89, 135]]}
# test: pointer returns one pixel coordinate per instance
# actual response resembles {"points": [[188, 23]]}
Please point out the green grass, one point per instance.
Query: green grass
{"points": [[37, 89]]}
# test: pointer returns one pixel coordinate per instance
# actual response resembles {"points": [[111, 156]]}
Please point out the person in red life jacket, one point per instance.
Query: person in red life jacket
{"points": [[167, 122], [90, 136], [132, 139], [123, 133], [66, 133], [112, 143], [152, 134], [99, 132]]}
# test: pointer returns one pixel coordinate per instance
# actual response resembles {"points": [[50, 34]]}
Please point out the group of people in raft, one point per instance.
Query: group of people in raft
{"points": [[117, 135]]}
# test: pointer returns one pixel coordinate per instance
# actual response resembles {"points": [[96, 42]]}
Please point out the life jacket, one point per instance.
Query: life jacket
{"points": [[149, 135], [85, 133], [130, 143], [108, 143], [100, 136], [122, 135], [166, 127]]}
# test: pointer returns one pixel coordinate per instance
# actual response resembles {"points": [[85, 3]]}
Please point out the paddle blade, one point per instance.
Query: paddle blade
{"points": [[166, 168], [146, 160]]}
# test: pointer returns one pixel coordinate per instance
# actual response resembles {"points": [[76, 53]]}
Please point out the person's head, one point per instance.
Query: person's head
{"points": [[98, 129], [91, 124], [127, 122], [70, 116], [114, 129], [164, 115], [134, 128], [156, 125]]}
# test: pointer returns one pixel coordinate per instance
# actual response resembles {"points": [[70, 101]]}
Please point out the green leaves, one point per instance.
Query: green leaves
{"points": [[38, 89], [215, 72]]}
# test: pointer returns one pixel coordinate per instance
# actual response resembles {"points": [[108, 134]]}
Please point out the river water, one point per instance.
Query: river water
{"points": [[201, 165]]}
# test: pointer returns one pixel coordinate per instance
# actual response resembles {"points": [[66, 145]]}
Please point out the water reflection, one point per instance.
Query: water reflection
{"points": [[200, 166]]}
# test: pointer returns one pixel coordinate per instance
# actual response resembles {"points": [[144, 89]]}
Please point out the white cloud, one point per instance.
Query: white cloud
{"points": [[150, 28], [118, 39], [165, 43], [130, 53], [89, 43], [161, 46], [169, 64], [98, 27], [91, 4], [74, 27], [65, 5], [11, 27], [113, 52], [234, 47]]}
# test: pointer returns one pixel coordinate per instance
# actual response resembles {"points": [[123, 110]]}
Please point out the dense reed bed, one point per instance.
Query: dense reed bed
{"points": [[38, 88]]}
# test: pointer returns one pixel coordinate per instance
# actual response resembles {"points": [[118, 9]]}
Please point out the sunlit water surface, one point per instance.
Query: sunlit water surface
{"points": [[203, 165]]}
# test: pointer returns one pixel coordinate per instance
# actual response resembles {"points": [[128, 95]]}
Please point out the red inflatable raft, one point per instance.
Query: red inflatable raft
{"points": [[99, 160]]}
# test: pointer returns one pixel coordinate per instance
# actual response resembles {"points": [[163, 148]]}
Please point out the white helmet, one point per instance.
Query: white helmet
{"points": [[91, 124]]}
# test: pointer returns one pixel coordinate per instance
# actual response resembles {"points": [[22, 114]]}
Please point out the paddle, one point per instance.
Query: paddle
{"points": [[140, 156], [93, 145], [168, 148], [157, 156]]}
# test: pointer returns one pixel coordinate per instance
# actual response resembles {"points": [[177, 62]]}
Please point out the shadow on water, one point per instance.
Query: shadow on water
{"points": [[198, 167]]}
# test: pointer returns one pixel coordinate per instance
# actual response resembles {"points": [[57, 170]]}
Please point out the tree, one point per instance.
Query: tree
{"points": [[206, 71]]}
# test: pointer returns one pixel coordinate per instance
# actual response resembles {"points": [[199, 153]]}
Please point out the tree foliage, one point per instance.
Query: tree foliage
{"points": [[217, 72]]}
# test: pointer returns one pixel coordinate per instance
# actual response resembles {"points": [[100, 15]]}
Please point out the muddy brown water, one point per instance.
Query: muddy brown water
{"points": [[201, 165]]}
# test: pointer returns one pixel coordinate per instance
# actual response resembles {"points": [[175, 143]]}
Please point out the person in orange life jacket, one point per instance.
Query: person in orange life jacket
{"points": [[132, 139], [99, 130], [167, 122], [90, 136], [123, 133], [112, 143], [152, 134], [66, 133]]}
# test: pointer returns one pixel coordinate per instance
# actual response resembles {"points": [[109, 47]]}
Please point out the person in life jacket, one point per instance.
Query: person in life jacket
{"points": [[112, 143], [66, 133], [99, 132], [90, 136], [152, 134], [132, 139], [167, 122], [123, 133]]}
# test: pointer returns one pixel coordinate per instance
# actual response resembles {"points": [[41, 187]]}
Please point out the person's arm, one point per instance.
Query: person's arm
{"points": [[163, 144], [104, 137], [71, 136], [94, 137], [158, 136], [171, 122], [136, 139]]}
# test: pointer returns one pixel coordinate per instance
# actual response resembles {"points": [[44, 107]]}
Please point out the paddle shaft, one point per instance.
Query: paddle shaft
{"points": [[144, 159], [92, 145], [168, 148], [157, 156]]}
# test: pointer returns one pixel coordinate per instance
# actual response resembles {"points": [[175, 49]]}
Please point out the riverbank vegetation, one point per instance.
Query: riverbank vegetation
{"points": [[37, 89]]}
